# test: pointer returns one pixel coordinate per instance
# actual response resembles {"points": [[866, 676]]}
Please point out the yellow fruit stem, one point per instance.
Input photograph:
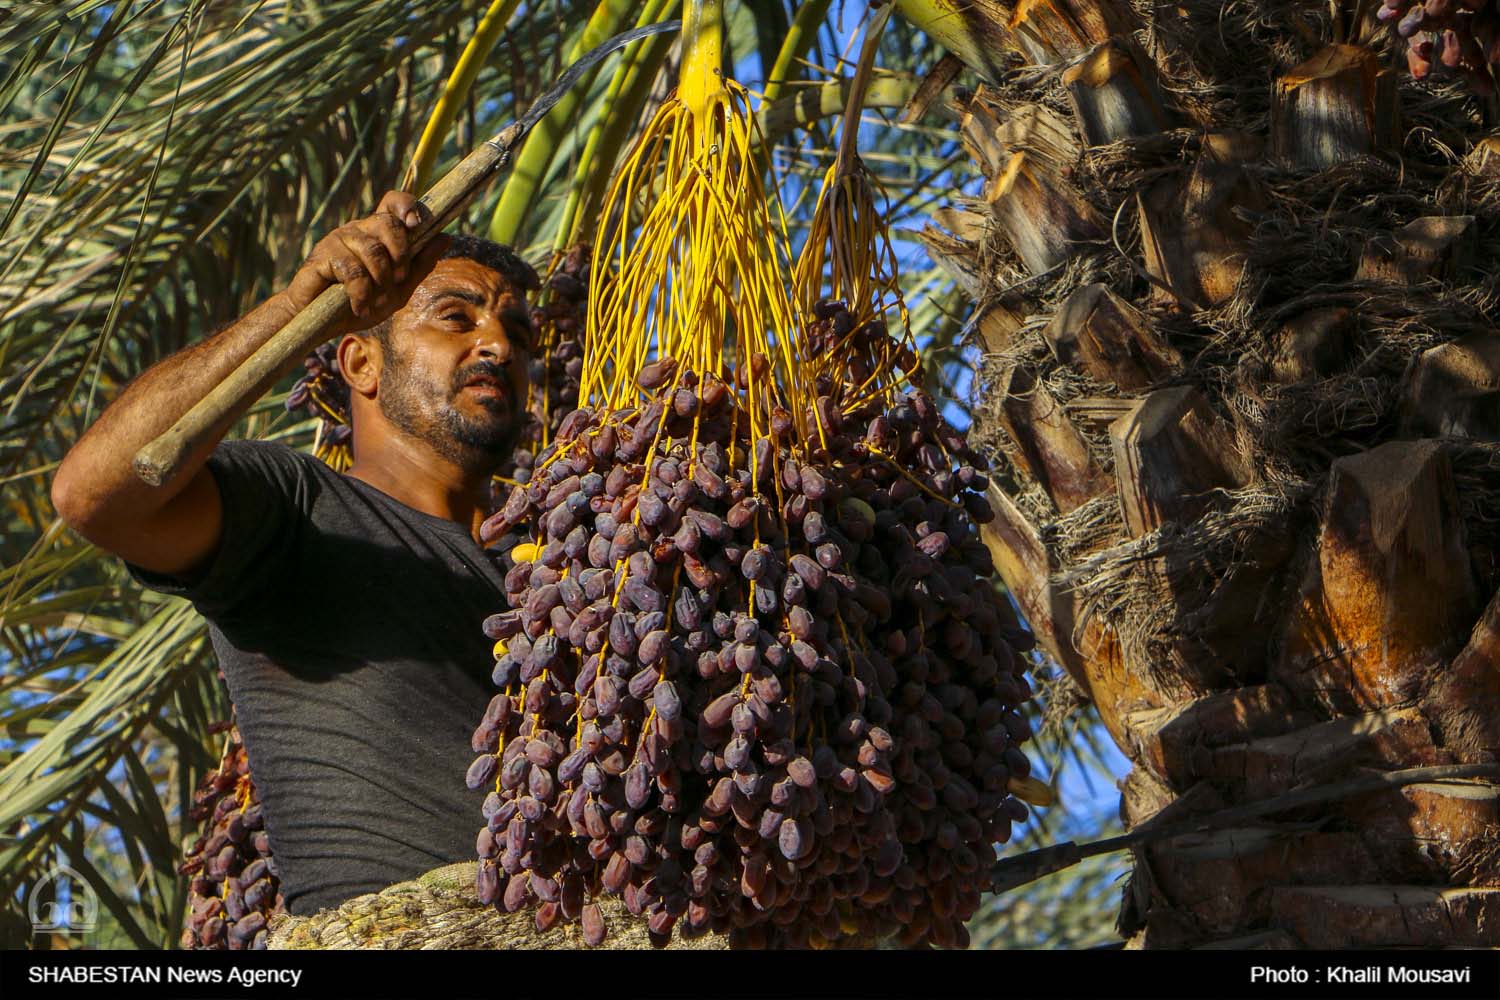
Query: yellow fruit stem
{"points": [[702, 86], [848, 256], [693, 265]]}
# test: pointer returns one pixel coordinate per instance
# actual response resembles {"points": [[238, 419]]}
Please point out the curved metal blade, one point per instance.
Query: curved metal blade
{"points": [[542, 105]]}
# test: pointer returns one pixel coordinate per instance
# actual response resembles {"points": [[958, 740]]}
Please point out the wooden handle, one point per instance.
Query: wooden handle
{"points": [[159, 461]]}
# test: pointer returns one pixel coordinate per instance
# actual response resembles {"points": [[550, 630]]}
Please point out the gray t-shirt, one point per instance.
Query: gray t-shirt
{"points": [[348, 627]]}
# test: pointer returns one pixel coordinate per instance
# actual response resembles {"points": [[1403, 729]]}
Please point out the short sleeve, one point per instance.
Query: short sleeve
{"points": [[266, 491]]}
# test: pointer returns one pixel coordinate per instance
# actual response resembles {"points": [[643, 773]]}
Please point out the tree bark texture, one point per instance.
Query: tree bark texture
{"points": [[1243, 392]]}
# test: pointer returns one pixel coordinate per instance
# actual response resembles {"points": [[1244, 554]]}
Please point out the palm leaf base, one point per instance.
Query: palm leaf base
{"points": [[439, 911]]}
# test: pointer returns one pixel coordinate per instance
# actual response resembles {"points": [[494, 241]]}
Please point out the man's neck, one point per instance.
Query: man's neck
{"points": [[414, 474]]}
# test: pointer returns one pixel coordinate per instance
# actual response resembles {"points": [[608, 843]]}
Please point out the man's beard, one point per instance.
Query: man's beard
{"points": [[469, 442]]}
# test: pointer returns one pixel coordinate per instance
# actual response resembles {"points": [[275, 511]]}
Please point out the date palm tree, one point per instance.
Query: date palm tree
{"points": [[1232, 272], [166, 164]]}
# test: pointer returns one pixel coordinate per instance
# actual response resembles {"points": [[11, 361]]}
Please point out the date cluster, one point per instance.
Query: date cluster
{"points": [[1461, 36], [750, 684], [234, 889]]}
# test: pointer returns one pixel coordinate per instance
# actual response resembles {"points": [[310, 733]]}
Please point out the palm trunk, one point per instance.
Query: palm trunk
{"points": [[1243, 385]]}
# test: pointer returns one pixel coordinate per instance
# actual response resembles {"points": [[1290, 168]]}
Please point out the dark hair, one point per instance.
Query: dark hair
{"points": [[496, 256]]}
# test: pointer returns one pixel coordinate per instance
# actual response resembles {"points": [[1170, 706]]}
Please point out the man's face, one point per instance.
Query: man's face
{"points": [[454, 371]]}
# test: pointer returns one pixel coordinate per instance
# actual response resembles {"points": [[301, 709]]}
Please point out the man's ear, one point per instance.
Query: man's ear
{"points": [[359, 362]]}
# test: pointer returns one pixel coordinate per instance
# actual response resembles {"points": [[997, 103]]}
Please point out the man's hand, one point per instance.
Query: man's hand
{"points": [[371, 257]]}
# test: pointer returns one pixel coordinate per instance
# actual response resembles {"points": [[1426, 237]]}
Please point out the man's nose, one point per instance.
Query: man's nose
{"points": [[493, 344]]}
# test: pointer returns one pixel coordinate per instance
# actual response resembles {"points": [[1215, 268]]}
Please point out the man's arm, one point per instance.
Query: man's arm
{"points": [[174, 528]]}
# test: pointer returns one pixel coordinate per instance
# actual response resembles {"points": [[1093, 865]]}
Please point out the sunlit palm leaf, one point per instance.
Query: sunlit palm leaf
{"points": [[90, 762]]}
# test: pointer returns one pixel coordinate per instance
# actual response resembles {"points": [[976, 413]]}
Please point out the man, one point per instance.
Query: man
{"points": [[345, 610]]}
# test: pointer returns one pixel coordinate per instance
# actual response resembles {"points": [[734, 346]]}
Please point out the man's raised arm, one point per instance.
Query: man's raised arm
{"points": [[174, 528]]}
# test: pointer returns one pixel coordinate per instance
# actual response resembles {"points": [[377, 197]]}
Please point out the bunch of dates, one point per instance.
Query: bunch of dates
{"points": [[1462, 36], [234, 890], [756, 677]]}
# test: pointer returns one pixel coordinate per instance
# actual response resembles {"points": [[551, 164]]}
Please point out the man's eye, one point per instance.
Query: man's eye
{"points": [[455, 318]]}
